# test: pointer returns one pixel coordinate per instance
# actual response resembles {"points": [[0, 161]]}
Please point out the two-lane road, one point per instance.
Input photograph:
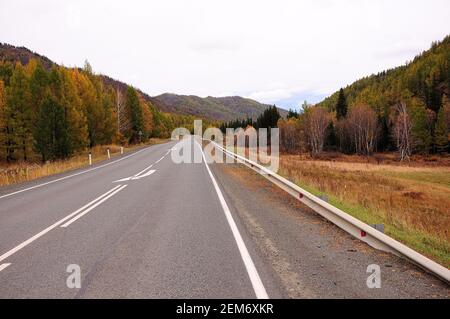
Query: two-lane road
{"points": [[142, 226], [139, 227]]}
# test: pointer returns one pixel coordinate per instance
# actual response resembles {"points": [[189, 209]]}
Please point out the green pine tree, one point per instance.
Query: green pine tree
{"points": [[20, 112], [341, 105], [442, 131], [50, 134], [420, 132], [136, 114]]}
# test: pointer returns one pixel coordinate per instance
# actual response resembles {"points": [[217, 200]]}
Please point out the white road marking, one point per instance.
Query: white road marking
{"points": [[73, 175], [3, 266], [135, 177], [147, 168], [93, 206], [140, 175], [123, 179], [150, 172], [257, 284], [49, 228]]}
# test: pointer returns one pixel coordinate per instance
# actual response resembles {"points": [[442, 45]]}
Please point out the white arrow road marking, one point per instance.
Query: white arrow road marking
{"points": [[147, 168], [141, 173], [150, 172], [123, 179], [135, 177], [49, 228], [3, 266], [93, 206], [76, 174]]}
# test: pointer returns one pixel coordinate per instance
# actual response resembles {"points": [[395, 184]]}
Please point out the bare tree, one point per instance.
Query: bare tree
{"points": [[290, 135], [317, 120], [362, 129], [402, 131]]}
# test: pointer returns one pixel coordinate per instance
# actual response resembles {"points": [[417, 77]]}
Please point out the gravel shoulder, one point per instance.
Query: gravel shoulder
{"points": [[308, 256]]}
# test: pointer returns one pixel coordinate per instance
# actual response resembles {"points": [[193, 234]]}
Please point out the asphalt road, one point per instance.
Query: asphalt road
{"points": [[142, 226]]}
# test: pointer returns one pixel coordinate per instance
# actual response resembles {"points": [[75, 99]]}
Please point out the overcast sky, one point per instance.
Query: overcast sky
{"points": [[273, 51]]}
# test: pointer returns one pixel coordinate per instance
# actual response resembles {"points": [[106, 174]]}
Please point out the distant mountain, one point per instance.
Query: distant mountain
{"points": [[218, 108], [23, 55], [214, 108]]}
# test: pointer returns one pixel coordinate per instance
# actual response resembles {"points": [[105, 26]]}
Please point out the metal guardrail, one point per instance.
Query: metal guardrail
{"points": [[348, 223]]}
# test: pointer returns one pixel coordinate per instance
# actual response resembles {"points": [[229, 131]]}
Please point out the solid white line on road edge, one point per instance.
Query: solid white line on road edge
{"points": [[3, 266], [159, 160], [73, 175], [257, 284], [92, 207], [49, 228]]}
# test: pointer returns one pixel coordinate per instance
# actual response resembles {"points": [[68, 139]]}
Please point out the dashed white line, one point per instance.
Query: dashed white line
{"points": [[73, 175], [3, 266], [93, 206], [49, 228], [159, 160], [255, 279]]}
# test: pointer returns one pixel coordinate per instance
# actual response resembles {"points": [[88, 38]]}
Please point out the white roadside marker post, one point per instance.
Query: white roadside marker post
{"points": [[90, 158], [121, 150], [109, 154]]}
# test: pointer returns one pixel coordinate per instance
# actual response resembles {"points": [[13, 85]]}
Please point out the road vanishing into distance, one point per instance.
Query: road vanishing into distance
{"points": [[142, 226]]}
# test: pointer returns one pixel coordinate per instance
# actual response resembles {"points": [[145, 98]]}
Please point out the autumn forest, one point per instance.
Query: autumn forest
{"points": [[405, 109], [52, 113]]}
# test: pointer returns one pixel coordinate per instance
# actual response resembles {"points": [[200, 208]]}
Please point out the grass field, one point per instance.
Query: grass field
{"points": [[412, 200], [26, 171]]}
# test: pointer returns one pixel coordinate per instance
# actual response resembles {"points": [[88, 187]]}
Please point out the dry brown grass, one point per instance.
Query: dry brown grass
{"points": [[411, 198], [413, 201], [26, 171]]}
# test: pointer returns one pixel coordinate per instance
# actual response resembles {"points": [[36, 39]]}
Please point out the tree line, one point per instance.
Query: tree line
{"points": [[52, 113], [406, 109], [267, 119]]}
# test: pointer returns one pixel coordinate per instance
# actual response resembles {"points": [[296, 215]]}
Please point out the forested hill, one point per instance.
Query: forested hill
{"points": [[212, 108], [405, 109], [217, 108], [426, 78], [10, 53], [13, 54], [48, 111]]}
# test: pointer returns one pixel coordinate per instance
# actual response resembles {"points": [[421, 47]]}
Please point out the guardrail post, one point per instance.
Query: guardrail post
{"points": [[379, 227]]}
